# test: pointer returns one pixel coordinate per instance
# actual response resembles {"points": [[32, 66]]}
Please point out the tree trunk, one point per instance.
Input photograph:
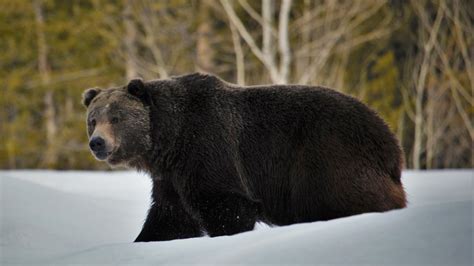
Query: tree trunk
{"points": [[51, 155], [283, 41], [268, 48], [417, 144], [204, 51], [129, 41], [303, 62], [239, 55]]}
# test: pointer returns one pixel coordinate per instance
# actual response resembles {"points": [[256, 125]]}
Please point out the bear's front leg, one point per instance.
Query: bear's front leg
{"points": [[227, 214], [167, 219]]}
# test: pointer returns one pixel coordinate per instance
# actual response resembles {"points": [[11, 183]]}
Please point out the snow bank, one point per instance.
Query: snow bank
{"points": [[50, 217]]}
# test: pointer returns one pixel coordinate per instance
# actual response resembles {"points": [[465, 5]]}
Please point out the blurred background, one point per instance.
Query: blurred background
{"points": [[411, 61]]}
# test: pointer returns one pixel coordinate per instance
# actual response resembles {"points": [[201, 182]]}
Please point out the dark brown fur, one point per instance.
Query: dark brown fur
{"points": [[222, 157]]}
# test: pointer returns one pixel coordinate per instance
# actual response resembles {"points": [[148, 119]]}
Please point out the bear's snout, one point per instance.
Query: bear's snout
{"points": [[97, 144], [99, 148]]}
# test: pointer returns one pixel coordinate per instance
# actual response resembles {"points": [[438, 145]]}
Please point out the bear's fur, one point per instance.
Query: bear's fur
{"points": [[222, 156]]}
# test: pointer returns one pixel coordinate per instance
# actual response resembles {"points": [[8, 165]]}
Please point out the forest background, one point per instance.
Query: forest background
{"points": [[411, 61]]}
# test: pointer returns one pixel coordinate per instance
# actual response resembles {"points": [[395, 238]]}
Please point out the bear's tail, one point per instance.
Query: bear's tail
{"points": [[398, 194], [396, 174], [395, 171]]}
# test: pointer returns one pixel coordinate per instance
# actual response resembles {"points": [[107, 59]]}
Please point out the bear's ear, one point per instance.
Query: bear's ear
{"points": [[136, 87], [88, 95]]}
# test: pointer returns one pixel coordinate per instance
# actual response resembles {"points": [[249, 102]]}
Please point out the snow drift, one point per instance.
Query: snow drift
{"points": [[50, 217]]}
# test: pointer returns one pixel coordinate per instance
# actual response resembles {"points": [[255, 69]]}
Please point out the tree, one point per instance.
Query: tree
{"points": [[204, 50], [130, 40], [443, 72], [278, 73], [50, 157], [411, 61]]}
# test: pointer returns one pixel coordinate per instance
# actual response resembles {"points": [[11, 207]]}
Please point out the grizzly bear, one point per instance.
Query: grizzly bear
{"points": [[223, 156]]}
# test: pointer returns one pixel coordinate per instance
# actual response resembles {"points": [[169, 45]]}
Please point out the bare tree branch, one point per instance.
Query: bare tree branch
{"points": [[273, 71], [421, 79], [260, 19]]}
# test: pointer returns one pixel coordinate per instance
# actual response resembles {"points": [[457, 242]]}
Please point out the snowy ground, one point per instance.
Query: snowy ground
{"points": [[92, 218]]}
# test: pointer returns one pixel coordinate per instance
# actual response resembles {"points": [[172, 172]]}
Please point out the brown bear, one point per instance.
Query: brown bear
{"points": [[222, 156]]}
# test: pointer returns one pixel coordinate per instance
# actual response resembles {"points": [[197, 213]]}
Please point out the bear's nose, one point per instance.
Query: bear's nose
{"points": [[97, 144]]}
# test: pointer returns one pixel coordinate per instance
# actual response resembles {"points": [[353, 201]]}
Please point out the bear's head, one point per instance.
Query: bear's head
{"points": [[118, 123]]}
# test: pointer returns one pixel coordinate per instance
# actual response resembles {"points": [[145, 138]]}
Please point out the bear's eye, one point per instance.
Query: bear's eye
{"points": [[93, 122], [114, 120]]}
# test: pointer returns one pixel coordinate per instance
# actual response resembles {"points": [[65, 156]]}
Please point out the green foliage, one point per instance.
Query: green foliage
{"points": [[78, 57]]}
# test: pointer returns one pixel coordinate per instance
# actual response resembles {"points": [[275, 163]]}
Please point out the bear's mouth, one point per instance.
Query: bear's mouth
{"points": [[102, 155]]}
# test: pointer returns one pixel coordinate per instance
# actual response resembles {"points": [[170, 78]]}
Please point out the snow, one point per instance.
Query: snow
{"points": [[73, 217]]}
